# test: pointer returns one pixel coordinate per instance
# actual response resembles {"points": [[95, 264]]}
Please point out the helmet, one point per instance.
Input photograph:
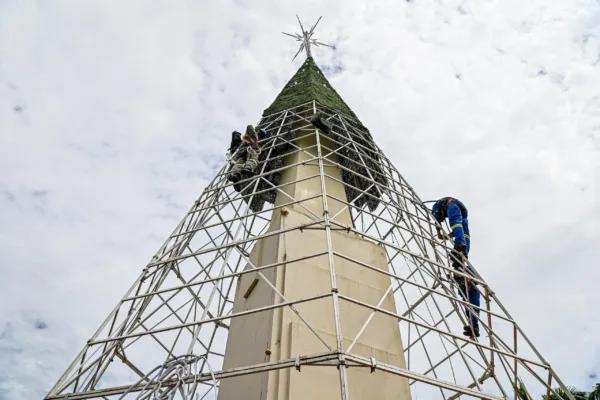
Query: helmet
{"points": [[440, 208]]}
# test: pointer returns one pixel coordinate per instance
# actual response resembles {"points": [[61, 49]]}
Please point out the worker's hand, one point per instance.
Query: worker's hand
{"points": [[451, 234], [440, 236]]}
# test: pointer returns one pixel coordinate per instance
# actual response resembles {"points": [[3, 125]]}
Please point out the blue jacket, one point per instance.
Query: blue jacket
{"points": [[457, 215]]}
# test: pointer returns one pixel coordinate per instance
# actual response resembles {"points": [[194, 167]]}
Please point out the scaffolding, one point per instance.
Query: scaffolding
{"points": [[181, 305]]}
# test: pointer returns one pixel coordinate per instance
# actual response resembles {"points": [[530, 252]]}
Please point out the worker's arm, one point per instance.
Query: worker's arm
{"points": [[440, 233]]}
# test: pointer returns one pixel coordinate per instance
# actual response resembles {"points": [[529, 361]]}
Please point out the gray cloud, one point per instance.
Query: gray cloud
{"points": [[125, 114]]}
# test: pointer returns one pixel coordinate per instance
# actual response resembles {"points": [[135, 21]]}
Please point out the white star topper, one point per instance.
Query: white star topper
{"points": [[305, 38]]}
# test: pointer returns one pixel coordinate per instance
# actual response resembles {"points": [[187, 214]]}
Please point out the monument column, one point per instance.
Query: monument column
{"points": [[310, 329]]}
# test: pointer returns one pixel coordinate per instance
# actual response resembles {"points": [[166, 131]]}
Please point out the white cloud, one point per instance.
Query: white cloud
{"points": [[114, 115]]}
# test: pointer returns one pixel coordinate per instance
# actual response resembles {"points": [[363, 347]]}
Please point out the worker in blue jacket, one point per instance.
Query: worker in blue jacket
{"points": [[457, 215]]}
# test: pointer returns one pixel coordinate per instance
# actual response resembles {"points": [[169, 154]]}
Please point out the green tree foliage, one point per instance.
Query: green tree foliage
{"points": [[309, 84], [577, 394], [522, 393], [595, 394]]}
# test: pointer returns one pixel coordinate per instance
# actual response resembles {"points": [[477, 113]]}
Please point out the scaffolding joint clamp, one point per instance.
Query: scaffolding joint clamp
{"points": [[373, 364], [297, 363], [334, 290]]}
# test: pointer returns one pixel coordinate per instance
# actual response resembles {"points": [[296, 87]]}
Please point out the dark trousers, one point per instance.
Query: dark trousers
{"points": [[466, 289]]}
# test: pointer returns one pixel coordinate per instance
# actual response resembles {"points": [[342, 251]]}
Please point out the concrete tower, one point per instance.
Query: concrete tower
{"points": [[319, 276], [327, 266]]}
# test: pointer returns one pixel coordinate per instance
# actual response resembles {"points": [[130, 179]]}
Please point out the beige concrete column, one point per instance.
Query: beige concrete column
{"points": [[282, 333]]}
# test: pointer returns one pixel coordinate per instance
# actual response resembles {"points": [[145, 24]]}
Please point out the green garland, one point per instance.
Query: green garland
{"points": [[309, 84]]}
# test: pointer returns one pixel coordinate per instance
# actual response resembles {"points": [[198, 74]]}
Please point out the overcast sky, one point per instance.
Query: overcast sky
{"points": [[115, 114]]}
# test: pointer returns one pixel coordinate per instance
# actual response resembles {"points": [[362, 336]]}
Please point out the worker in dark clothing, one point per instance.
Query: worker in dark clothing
{"points": [[457, 214], [245, 160], [320, 121]]}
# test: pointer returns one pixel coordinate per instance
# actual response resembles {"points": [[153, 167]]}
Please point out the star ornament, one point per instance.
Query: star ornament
{"points": [[306, 39]]}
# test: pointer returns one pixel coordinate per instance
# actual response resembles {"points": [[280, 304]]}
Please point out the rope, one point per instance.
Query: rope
{"points": [[168, 379]]}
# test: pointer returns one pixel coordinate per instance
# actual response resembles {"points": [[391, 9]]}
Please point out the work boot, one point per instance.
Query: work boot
{"points": [[472, 333], [236, 141], [320, 122], [460, 247], [235, 177]]}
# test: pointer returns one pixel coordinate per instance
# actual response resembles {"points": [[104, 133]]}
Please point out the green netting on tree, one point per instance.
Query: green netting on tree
{"points": [[309, 84]]}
